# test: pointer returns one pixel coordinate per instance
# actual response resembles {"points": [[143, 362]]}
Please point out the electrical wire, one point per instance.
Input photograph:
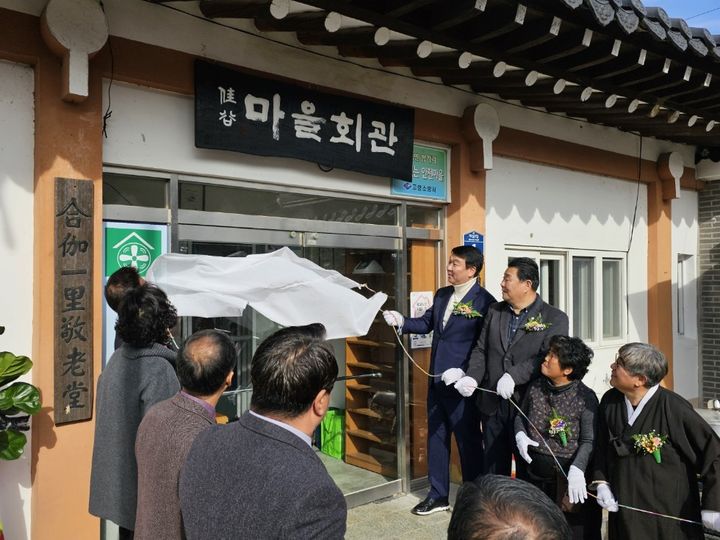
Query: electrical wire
{"points": [[397, 333], [637, 197], [544, 441], [108, 110], [703, 13]]}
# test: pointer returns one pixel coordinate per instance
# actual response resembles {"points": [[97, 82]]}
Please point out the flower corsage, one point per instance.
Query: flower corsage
{"points": [[466, 310], [559, 427], [536, 324], [650, 443]]}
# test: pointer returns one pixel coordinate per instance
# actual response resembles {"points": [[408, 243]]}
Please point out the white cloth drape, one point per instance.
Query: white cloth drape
{"points": [[285, 288]]}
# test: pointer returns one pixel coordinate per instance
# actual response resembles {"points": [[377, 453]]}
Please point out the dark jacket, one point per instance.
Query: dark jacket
{"points": [[133, 381], [163, 441], [451, 345], [494, 355], [254, 479]]}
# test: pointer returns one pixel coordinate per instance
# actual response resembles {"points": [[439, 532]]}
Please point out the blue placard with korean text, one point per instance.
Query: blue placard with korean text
{"points": [[474, 239], [429, 175], [244, 113]]}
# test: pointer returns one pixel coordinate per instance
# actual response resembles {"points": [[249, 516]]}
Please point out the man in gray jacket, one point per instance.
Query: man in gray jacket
{"points": [[507, 356], [205, 368], [259, 477]]}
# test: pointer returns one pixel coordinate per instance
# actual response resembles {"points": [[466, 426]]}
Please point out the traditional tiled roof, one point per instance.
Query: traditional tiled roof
{"points": [[612, 62]]}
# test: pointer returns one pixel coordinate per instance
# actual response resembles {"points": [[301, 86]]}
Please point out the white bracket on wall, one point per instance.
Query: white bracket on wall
{"points": [[74, 30], [480, 126], [670, 167]]}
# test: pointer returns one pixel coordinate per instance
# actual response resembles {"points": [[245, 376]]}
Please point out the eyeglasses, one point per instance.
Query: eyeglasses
{"points": [[619, 360]]}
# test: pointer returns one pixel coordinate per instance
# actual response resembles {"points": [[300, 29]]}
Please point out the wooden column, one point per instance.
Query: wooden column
{"points": [[660, 328], [68, 144], [423, 277]]}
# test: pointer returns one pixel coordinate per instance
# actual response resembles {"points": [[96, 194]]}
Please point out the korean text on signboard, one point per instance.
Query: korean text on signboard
{"points": [[239, 112], [73, 363], [429, 175]]}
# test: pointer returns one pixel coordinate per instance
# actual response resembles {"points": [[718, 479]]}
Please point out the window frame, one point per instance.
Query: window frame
{"points": [[566, 297]]}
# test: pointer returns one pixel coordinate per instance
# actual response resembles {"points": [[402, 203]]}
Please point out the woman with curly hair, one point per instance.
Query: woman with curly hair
{"points": [[563, 409], [138, 375]]}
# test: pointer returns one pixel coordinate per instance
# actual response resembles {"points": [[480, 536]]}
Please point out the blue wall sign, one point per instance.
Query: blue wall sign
{"points": [[474, 239]]}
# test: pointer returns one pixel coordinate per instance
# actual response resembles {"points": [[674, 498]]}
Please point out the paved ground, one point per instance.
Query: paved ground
{"points": [[390, 519]]}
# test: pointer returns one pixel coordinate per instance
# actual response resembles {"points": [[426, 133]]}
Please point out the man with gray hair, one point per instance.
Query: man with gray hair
{"points": [[650, 448], [496, 507], [205, 366]]}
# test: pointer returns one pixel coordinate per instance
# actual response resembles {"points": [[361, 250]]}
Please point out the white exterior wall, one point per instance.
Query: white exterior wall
{"points": [[16, 272], [545, 207], [685, 346]]}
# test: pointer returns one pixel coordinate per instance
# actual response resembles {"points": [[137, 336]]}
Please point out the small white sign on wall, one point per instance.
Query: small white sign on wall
{"points": [[420, 302]]}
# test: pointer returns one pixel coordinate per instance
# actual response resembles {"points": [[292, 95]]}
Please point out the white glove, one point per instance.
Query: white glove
{"points": [[466, 386], [452, 375], [506, 386], [606, 499], [393, 318], [523, 441], [711, 519], [577, 487]]}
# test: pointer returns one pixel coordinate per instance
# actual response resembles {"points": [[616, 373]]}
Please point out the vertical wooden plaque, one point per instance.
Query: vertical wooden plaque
{"points": [[73, 316]]}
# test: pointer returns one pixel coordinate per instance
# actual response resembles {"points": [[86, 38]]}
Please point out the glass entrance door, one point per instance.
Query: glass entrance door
{"points": [[360, 440]]}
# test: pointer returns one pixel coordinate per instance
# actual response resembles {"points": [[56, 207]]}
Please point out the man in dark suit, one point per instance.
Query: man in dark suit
{"points": [[259, 477], [507, 356], [455, 318], [205, 365]]}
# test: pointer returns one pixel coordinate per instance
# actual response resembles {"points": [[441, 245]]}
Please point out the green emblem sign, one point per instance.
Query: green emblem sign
{"points": [[131, 247], [429, 174]]}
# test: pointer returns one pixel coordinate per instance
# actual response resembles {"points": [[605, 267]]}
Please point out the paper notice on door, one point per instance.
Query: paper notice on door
{"points": [[420, 302]]}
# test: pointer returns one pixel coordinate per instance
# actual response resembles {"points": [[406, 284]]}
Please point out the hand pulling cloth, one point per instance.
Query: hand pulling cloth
{"points": [[285, 288]]}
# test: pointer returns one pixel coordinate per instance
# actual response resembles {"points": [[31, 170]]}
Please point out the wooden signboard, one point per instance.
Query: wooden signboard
{"points": [[243, 113], [73, 362]]}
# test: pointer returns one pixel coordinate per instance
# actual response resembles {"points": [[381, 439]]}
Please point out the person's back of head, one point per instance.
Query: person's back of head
{"points": [[119, 283], [495, 507], [145, 316], [289, 369], [204, 362]]}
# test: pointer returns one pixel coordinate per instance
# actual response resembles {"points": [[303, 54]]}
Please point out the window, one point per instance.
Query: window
{"points": [[133, 190], [552, 280], [583, 308], [594, 283], [685, 295], [281, 203], [612, 298]]}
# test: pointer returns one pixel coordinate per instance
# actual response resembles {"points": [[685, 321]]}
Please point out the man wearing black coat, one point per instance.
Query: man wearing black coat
{"points": [[507, 356], [259, 477]]}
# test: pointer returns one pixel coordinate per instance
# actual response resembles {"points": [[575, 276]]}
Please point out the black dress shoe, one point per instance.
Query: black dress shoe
{"points": [[430, 506]]}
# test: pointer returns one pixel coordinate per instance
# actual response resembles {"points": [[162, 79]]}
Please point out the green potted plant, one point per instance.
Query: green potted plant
{"points": [[18, 400]]}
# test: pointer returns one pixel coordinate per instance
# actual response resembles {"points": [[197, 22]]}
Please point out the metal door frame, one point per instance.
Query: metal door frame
{"points": [[225, 227]]}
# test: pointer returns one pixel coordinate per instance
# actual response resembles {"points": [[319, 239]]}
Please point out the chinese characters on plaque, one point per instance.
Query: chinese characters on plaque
{"points": [[240, 112], [73, 363]]}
